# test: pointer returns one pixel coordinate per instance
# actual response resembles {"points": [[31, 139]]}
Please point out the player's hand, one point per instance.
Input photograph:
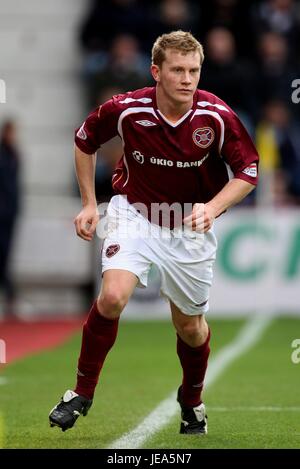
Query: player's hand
{"points": [[86, 222], [201, 219]]}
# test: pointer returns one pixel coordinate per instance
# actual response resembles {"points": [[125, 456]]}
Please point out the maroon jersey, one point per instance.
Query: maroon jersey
{"points": [[186, 162]]}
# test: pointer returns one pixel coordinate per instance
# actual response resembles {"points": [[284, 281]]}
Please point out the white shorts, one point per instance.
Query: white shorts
{"points": [[184, 258]]}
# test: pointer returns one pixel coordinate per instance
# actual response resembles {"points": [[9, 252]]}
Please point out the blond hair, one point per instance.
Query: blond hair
{"points": [[179, 40]]}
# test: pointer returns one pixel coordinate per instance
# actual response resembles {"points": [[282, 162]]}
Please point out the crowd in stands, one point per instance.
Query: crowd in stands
{"points": [[251, 59], [9, 208]]}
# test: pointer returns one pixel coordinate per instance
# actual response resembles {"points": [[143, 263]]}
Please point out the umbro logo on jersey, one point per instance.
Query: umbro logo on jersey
{"points": [[82, 133], [146, 123], [112, 250], [203, 137], [138, 156]]}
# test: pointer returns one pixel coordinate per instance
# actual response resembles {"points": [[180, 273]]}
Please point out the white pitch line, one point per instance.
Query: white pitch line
{"points": [[162, 414]]}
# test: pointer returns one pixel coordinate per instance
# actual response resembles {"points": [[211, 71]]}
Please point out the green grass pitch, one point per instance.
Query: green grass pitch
{"points": [[255, 402]]}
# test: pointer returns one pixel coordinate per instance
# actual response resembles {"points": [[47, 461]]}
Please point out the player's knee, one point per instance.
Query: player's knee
{"points": [[194, 331], [190, 331], [111, 303]]}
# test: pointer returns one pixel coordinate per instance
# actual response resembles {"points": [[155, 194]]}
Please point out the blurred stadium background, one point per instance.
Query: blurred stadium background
{"points": [[60, 59]]}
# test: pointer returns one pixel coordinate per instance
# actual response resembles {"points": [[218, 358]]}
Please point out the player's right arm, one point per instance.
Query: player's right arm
{"points": [[86, 221], [99, 127]]}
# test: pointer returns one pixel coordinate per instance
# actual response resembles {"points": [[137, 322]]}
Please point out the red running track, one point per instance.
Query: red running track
{"points": [[26, 338]]}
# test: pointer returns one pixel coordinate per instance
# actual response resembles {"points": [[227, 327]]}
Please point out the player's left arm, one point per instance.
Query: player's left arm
{"points": [[203, 215], [232, 193], [239, 153]]}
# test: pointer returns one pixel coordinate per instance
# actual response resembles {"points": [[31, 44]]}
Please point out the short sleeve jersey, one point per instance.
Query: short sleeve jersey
{"points": [[185, 162]]}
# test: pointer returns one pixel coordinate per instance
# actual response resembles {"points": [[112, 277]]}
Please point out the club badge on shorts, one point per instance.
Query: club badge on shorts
{"points": [[203, 137], [112, 250]]}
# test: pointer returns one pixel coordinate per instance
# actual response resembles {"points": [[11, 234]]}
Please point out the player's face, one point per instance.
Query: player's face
{"points": [[178, 76]]}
